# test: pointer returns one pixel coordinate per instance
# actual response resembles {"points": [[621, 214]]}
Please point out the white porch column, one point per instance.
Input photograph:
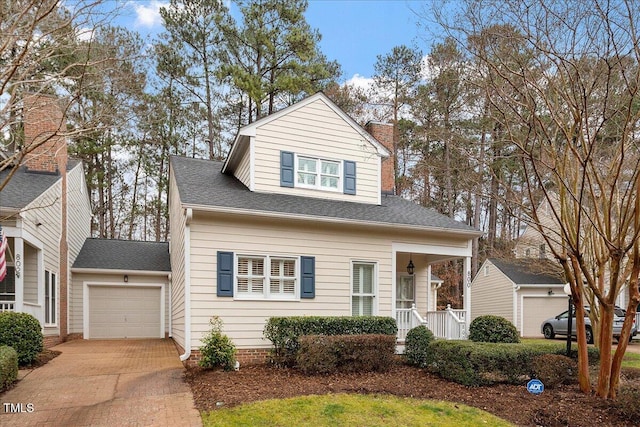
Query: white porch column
{"points": [[18, 254], [467, 291], [429, 289]]}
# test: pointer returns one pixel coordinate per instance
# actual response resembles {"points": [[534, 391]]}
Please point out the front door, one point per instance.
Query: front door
{"points": [[405, 292]]}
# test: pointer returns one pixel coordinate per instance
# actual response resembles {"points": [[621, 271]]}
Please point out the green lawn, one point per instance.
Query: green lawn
{"points": [[350, 410]]}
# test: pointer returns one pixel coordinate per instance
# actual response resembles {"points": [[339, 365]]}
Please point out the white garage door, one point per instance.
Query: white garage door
{"points": [[124, 312], [536, 310]]}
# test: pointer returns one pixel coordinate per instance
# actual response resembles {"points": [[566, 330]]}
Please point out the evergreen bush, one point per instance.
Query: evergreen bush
{"points": [[491, 328], [23, 332], [217, 349]]}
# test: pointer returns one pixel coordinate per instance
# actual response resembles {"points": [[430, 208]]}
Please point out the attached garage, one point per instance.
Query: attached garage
{"points": [[120, 289], [536, 309], [125, 311]]}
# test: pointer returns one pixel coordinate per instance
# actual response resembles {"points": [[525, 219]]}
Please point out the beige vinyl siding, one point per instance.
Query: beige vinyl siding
{"points": [[46, 210], [243, 171], [492, 294], [79, 212], [30, 274], [177, 226], [334, 249], [315, 130], [77, 288]]}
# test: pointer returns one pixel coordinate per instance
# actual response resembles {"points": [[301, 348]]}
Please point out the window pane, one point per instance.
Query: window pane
{"points": [[362, 306], [53, 299], [47, 298], [329, 182], [306, 165], [243, 266], [367, 279], [330, 168], [257, 267], [306, 178], [243, 284]]}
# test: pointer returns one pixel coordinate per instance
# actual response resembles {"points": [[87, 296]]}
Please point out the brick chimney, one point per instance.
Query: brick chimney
{"points": [[43, 121], [383, 133], [44, 124]]}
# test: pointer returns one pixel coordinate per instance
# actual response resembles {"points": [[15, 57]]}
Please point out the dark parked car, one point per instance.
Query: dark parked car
{"points": [[559, 325]]}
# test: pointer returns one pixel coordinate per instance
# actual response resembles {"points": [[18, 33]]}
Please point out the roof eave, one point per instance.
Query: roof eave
{"points": [[331, 220], [81, 270]]}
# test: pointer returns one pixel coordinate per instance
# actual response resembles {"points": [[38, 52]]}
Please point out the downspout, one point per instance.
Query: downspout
{"points": [[170, 279], [187, 285]]}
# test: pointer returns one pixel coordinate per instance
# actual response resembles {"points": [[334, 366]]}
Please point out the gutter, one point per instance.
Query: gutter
{"points": [[187, 285], [301, 217]]}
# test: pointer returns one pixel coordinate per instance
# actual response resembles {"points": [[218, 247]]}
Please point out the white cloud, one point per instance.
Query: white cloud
{"points": [[359, 81], [148, 15]]}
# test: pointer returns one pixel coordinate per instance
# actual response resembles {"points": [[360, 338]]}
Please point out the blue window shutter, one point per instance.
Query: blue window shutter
{"points": [[225, 274], [349, 177], [307, 277], [286, 169]]}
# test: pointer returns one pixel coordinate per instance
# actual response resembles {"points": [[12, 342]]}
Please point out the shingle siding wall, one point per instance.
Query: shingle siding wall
{"points": [[316, 131], [492, 294], [334, 247]]}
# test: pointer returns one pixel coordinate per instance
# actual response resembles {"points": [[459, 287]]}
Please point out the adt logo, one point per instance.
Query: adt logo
{"points": [[535, 386]]}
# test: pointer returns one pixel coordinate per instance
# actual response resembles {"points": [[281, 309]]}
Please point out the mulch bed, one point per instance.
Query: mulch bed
{"points": [[560, 406]]}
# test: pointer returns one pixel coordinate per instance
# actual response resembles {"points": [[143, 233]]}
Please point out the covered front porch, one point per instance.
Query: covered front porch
{"points": [[24, 289], [415, 290]]}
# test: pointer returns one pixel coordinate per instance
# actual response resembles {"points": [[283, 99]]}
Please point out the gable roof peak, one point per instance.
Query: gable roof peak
{"points": [[250, 129]]}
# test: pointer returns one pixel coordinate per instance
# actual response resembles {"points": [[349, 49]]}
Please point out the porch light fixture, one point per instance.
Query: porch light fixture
{"points": [[410, 266], [126, 278]]}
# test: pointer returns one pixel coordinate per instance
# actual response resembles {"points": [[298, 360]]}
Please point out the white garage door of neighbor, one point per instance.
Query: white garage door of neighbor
{"points": [[124, 312], [536, 310]]}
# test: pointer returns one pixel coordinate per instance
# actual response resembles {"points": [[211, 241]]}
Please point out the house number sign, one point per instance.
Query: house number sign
{"points": [[18, 265]]}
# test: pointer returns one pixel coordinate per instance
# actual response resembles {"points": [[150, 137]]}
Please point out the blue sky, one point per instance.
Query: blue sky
{"points": [[353, 32]]}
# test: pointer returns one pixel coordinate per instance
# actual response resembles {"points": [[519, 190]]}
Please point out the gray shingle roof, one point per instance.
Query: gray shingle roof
{"points": [[112, 254], [200, 182], [525, 271], [24, 187]]}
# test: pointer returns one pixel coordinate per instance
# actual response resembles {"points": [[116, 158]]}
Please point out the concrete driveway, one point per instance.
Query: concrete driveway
{"points": [[104, 383]]}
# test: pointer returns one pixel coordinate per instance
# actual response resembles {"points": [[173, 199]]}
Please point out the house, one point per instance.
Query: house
{"points": [[45, 214], [300, 219], [523, 291]]}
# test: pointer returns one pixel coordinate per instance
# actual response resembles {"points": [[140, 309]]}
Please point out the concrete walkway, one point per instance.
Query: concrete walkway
{"points": [[104, 383]]}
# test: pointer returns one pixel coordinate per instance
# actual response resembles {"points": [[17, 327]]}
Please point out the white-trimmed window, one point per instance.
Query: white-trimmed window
{"points": [[266, 277], [50, 299], [363, 288], [318, 173]]}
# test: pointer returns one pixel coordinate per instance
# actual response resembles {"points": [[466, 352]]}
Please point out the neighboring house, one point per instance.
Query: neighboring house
{"points": [[523, 291], [120, 289], [299, 220], [46, 214]]}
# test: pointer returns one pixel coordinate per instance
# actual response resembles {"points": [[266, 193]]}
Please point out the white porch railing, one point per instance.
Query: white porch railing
{"points": [[407, 319], [449, 324], [6, 306]]}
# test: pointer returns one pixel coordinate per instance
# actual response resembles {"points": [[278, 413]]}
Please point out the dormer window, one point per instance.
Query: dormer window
{"points": [[317, 173]]}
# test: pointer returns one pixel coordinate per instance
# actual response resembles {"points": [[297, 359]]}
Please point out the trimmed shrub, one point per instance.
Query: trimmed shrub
{"points": [[554, 369], [23, 332], [284, 332], [493, 329], [217, 349], [8, 366], [417, 346], [321, 354], [477, 364]]}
